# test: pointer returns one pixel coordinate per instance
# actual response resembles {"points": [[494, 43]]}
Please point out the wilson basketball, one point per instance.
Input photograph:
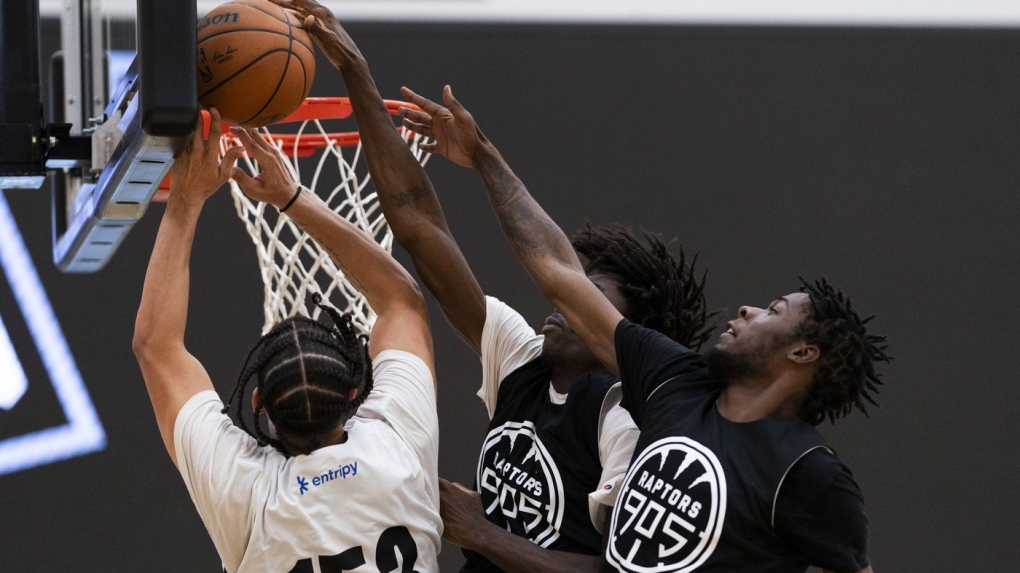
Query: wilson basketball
{"points": [[255, 62]]}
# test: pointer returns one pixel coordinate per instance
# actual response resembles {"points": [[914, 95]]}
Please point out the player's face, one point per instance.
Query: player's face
{"points": [[564, 346], [758, 336]]}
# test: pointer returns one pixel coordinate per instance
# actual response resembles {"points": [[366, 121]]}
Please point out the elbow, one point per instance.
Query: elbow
{"points": [[407, 294], [145, 344], [141, 344], [557, 280]]}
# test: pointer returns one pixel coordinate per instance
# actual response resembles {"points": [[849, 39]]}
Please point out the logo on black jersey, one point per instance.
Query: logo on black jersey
{"points": [[520, 484], [670, 511]]}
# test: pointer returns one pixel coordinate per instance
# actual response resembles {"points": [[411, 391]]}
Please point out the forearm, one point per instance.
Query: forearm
{"points": [[369, 268], [539, 244], [163, 311], [397, 174], [413, 211], [516, 554], [547, 255]]}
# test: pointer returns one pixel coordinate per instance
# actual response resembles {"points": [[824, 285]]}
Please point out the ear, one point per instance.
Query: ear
{"points": [[803, 353], [352, 394], [255, 400]]}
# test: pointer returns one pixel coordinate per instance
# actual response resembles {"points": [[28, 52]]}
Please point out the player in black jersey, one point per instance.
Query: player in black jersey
{"points": [[729, 473], [558, 443]]}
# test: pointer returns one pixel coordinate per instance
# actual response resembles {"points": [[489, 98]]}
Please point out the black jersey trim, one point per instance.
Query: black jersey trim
{"points": [[775, 496]]}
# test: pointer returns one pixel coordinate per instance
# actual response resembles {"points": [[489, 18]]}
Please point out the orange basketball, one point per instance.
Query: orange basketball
{"points": [[255, 63]]}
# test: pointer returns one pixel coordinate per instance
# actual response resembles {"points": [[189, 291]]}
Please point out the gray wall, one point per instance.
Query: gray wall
{"points": [[882, 159]]}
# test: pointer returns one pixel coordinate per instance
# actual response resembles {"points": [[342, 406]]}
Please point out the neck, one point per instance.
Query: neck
{"points": [[311, 443], [563, 378], [755, 398]]}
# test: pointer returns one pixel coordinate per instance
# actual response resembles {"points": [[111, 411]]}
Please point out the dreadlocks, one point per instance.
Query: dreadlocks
{"points": [[305, 371], [662, 291], [845, 376]]}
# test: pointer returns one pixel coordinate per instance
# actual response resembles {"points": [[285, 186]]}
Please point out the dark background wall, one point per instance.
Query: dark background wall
{"points": [[882, 159]]}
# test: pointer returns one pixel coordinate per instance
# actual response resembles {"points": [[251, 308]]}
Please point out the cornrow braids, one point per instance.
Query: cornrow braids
{"points": [[305, 373], [845, 376], [662, 291]]}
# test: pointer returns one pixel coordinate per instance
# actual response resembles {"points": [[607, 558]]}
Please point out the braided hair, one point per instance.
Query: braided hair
{"points": [[662, 291], [305, 373], [845, 376]]}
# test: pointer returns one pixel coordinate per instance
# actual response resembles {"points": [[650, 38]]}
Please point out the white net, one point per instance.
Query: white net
{"points": [[294, 266]]}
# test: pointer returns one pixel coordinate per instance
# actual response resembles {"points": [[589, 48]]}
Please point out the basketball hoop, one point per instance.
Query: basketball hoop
{"points": [[330, 165]]}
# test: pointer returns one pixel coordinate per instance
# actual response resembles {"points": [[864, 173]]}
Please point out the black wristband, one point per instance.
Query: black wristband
{"points": [[292, 199]]}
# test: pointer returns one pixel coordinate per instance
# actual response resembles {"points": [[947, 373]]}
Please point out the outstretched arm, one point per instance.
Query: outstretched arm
{"points": [[172, 375], [402, 319], [538, 242], [406, 195]]}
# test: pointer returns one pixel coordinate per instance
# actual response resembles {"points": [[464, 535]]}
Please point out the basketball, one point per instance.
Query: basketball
{"points": [[255, 62]]}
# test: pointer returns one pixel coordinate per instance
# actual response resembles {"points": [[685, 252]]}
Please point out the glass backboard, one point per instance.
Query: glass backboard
{"points": [[122, 97]]}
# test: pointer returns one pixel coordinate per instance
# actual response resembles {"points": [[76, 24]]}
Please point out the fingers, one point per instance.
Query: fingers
{"points": [[451, 102], [243, 179], [196, 137], [415, 115], [227, 163], [418, 128], [304, 7], [215, 126], [256, 148], [426, 104]]}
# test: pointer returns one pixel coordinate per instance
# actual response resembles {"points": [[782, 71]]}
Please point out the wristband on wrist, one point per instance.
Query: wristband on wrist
{"points": [[292, 199]]}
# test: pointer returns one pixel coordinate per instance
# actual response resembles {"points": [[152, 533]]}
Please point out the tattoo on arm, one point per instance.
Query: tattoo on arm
{"points": [[408, 197], [528, 228]]}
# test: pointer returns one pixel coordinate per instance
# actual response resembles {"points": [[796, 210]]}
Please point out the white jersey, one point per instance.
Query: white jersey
{"points": [[368, 504]]}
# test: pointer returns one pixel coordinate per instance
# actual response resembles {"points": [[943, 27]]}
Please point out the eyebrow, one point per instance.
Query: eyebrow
{"points": [[780, 299]]}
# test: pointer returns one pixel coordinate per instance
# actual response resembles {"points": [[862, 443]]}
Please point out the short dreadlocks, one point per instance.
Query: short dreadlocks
{"points": [[662, 291], [845, 375], [305, 373]]}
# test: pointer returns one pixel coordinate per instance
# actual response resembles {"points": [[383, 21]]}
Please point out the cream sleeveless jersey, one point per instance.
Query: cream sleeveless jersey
{"points": [[369, 504]]}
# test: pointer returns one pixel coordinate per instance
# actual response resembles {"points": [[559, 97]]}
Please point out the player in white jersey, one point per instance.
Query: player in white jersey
{"points": [[347, 476]]}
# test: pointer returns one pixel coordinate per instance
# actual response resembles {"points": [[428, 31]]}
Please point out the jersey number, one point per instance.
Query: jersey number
{"points": [[392, 540]]}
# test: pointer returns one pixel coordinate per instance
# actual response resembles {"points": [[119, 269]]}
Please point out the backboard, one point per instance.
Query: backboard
{"points": [[122, 97]]}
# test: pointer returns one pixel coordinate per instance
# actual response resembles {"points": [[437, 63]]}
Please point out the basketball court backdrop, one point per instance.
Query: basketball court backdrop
{"points": [[876, 146]]}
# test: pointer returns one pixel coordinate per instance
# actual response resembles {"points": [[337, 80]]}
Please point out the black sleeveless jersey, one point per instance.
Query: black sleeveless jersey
{"points": [[540, 461], [701, 490]]}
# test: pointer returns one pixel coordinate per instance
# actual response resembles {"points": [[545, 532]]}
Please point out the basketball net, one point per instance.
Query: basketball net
{"points": [[294, 267]]}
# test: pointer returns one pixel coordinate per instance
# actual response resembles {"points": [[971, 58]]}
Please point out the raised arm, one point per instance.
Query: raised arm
{"points": [[538, 242], [172, 375], [402, 318], [405, 193]]}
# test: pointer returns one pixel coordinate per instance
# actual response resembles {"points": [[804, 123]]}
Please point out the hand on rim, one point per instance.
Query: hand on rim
{"points": [[457, 136], [329, 35], [199, 172]]}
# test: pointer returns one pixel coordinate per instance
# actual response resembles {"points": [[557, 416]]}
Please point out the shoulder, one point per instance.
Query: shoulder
{"points": [[818, 478], [818, 467], [653, 351], [390, 364], [498, 313], [204, 407]]}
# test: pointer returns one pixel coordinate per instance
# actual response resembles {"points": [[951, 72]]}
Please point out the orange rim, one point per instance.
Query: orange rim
{"points": [[307, 144]]}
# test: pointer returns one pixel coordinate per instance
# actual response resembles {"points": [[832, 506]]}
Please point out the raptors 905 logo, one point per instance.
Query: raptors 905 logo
{"points": [[520, 484], [670, 512]]}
